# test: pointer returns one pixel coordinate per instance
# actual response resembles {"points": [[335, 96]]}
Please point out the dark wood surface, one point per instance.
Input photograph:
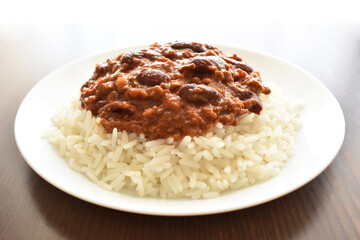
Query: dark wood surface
{"points": [[326, 208]]}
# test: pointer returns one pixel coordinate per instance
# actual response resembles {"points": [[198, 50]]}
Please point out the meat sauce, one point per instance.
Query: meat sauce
{"points": [[172, 90]]}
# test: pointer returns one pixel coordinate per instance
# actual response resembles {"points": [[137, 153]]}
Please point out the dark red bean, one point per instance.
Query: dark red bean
{"points": [[151, 54], [245, 95], [101, 69], [105, 68], [118, 107], [243, 66], [95, 108], [249, 98], [207, 64], [242, 94], [151, 77], [127, 58], [131, 56], [255, 107], [196, 47], [199, 94]]}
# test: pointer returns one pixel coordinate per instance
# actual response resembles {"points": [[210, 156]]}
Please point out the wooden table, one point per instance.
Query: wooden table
{"points": [[326, 208]]}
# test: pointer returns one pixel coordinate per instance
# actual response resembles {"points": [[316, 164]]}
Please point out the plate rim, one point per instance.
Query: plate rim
{"points": [[213, 211]]}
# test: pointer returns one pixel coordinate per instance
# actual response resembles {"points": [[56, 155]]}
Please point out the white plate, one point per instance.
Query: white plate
{"points": [[317, 142]]}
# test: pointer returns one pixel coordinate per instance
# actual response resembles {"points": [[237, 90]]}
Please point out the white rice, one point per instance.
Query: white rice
{"points": [[225, 158]]}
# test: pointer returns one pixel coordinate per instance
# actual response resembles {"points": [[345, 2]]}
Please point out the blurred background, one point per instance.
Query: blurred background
{"points": [[30, 51], [322, 37]]}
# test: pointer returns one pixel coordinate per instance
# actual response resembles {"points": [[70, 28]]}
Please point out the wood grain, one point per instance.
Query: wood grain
{"points": [[326, 208]]}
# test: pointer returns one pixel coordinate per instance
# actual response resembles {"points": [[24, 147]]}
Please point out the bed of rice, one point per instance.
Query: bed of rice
{"points": [[225, 158]]}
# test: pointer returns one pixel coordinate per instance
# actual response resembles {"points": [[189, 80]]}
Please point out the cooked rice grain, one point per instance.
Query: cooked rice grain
{"points": [[228, 157]]}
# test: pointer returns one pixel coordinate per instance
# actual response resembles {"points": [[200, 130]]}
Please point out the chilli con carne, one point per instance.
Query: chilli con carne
{"points": [[172, 90]]}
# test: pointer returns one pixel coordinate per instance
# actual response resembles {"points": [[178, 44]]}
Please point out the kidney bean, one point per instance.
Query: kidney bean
{"points": [[131, 56], [207, 64], [243, 66], [242, 94], [118, 107], [199, 93], [196, 47], [255, 107], [245, 95], [151, 77], [127, 58], [249, 98]]}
